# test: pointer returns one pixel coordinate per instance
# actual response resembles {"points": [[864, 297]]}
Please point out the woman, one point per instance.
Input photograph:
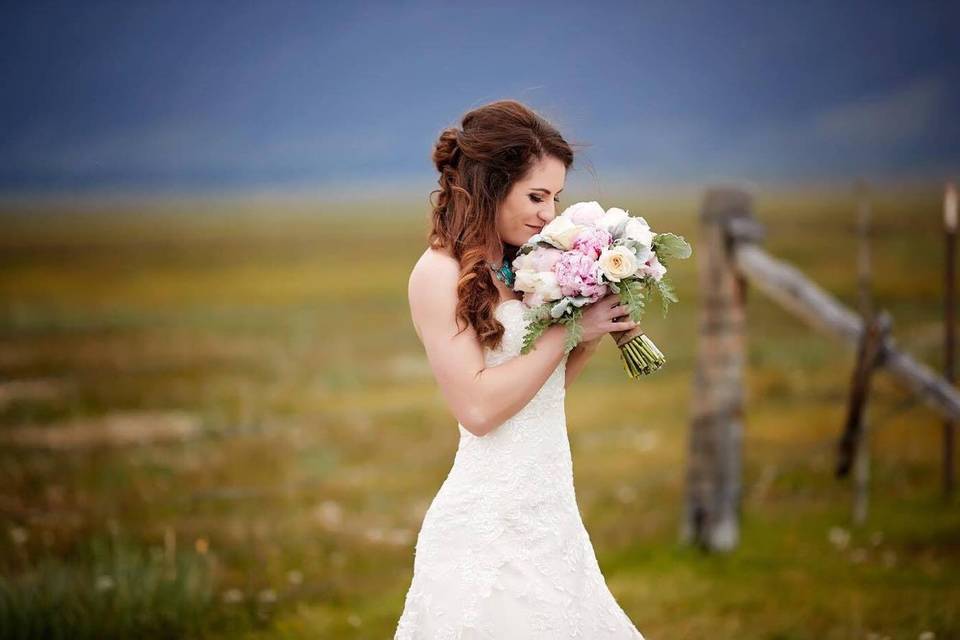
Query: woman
{"points": [[502, 552]]}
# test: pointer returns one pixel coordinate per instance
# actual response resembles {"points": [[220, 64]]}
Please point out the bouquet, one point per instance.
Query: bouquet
{"points": [[584, 254]]}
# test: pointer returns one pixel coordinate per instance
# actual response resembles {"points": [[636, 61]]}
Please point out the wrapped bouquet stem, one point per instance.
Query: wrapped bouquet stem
{"points": [[640, 356], [586, 253]]}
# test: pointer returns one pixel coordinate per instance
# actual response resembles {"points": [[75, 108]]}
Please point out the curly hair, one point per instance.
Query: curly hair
{"points": [[495, 146]]}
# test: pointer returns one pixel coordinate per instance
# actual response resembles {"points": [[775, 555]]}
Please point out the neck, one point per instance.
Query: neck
{"points": [[507, 252]]}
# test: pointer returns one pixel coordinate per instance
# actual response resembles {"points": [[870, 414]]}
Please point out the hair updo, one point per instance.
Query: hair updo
{"points": [[495, 146]]}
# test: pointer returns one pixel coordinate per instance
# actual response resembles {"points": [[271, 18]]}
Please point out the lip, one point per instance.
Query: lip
{"points": [[533, 227]]}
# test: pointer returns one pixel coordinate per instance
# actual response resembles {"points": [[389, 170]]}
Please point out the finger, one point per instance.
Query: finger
{"points": [[618, 312], [625, 325]]}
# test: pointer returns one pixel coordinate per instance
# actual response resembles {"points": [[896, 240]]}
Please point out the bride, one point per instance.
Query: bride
{"points": [[502, 553]]}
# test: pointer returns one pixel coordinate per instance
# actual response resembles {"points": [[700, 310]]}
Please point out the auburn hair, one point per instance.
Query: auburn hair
{"points": [[495, 146]]}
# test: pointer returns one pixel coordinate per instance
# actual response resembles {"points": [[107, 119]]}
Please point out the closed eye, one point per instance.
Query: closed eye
{"points": [[539, 199]]}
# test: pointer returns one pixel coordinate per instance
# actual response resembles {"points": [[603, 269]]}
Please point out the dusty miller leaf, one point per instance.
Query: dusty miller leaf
{"points": [[670, 245]]}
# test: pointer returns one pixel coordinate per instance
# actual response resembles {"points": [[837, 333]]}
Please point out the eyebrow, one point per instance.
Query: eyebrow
{"points": [[546, 191]]}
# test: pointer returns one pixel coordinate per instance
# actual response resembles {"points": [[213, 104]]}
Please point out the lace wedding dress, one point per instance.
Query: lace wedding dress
{"points": [[502, 553]]}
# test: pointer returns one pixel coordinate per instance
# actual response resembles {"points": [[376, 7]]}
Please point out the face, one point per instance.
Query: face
{"points": [[532, 201]]}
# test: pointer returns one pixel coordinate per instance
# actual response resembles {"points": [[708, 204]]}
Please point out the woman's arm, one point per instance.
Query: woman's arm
{"points": [[578, 358], [480, 397]]}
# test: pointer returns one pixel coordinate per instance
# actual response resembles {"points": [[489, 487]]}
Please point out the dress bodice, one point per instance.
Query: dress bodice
{"points": [[526, 459]]}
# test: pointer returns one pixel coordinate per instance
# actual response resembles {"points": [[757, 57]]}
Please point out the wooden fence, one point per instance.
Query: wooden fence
{"points": [[730, 257]]}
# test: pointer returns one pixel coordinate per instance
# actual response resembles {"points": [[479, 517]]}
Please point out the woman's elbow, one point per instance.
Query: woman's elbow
{"points": [[476, 421]]}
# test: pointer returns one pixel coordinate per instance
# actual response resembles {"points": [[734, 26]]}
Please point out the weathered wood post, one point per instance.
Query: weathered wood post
{"points": [[949, 341], [713, 484], [861, 485]]}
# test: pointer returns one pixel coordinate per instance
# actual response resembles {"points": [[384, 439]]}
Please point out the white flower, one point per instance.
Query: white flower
{"points": [[541, 283], [525, 279], [548, 289], [839, 537], [561, 232], [104, 583], [584, 213], [653, 267], [519, 263], [617, 263], [613, 220], [233, 596], [638, 229], [267, 595]]}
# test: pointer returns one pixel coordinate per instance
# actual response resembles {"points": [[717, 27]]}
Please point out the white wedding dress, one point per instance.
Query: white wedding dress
{"points": [[503, 553]]}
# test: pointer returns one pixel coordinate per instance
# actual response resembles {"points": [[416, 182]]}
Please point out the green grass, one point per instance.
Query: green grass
{"points": [[292, 510]]}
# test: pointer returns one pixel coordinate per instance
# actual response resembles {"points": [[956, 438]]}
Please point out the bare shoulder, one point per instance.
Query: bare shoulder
{"points": [[434, 269], [432, 288]]}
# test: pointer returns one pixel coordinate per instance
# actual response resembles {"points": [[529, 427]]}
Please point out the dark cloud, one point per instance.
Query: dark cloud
{"points": [[221, 95]]}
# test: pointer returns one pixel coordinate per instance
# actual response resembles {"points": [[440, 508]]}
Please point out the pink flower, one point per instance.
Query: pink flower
{"points": [[579, 275], [543, 259], [653, 267], [592, 241], [533, 299], [584, 213]]}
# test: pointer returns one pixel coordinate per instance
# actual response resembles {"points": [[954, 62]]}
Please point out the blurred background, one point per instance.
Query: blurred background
{"points": [[216, 419]]}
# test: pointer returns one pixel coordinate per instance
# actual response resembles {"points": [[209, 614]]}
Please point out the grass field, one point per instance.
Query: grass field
{"points": [[217, 422]]}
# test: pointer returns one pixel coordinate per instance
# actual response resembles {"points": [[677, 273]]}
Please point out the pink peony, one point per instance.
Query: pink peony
{"points": [[543, 259], [579, 275], [592, 241]]}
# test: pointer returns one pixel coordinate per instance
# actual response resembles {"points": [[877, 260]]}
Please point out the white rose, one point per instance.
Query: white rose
{"points": [[638, 229], [561, 232], [617, 263], [613, 220]]}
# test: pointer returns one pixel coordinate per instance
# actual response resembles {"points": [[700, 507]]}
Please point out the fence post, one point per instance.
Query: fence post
{"points": [[711, 513], [949, 313]]}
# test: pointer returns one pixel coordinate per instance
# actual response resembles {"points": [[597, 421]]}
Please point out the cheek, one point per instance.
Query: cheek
{"points": [[521, 210]]}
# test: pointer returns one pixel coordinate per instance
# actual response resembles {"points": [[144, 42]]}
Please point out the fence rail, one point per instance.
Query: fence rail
{"points": [[730, 258]]}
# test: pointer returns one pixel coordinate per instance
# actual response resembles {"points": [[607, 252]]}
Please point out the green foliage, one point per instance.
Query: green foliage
{"points": [[574, 328], [539, 320], [670, 245], [667, 294], [635, 294], [535, 329], [638, 293], [115, 589]]}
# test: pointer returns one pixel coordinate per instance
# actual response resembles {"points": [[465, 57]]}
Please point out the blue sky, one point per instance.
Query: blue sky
{"points": [[186, 96]]}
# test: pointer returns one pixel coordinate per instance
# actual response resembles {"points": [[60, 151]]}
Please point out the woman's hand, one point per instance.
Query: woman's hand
{"points": [[589, 345], [598, 319]]}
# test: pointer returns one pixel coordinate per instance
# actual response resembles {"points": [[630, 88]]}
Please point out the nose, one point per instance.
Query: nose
{"points": [[550, 214]]}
